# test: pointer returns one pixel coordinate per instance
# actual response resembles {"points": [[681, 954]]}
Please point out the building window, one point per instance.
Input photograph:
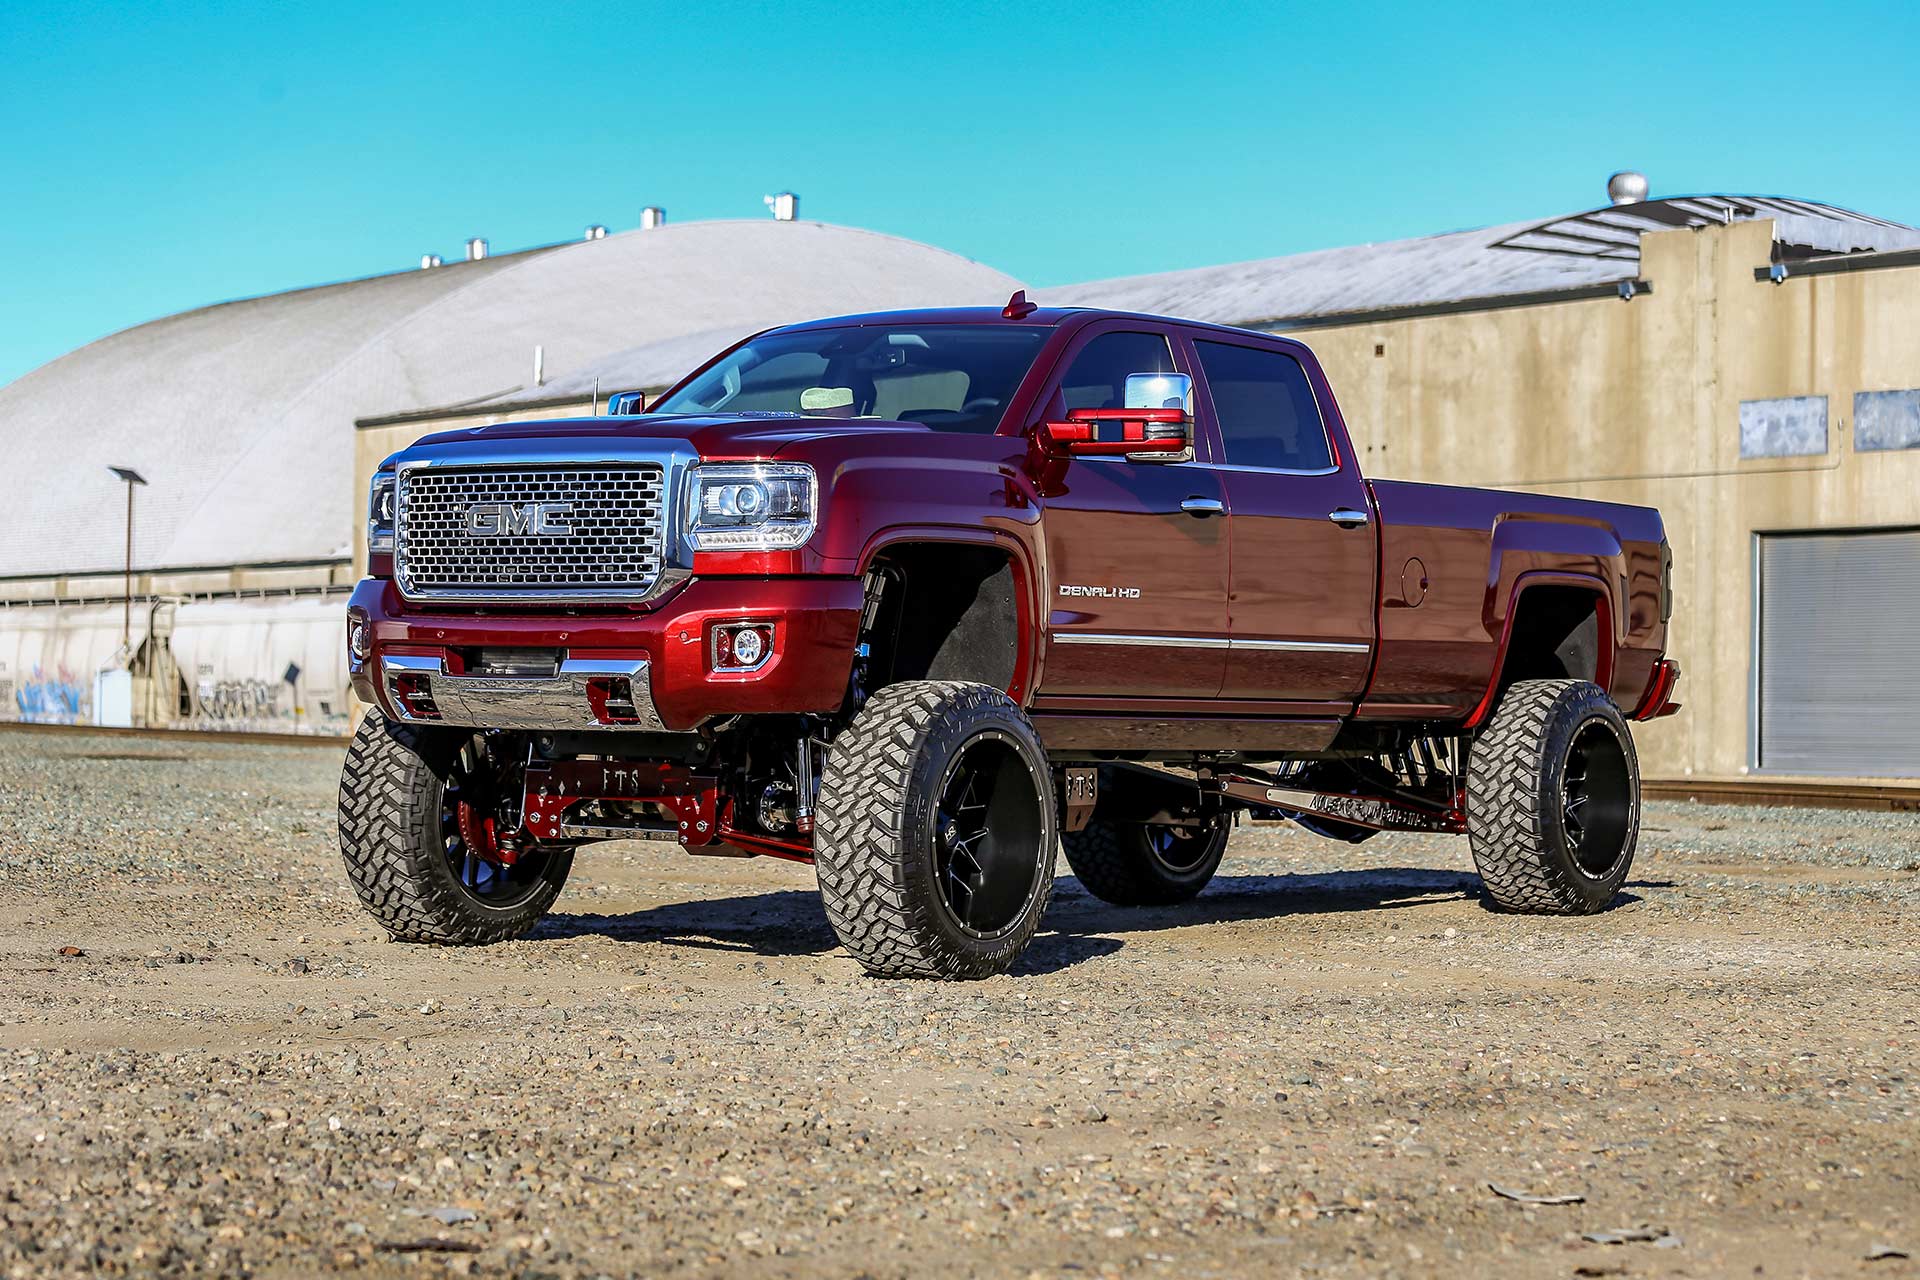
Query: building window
{"points": [[1886, 420], [1790, 427]]}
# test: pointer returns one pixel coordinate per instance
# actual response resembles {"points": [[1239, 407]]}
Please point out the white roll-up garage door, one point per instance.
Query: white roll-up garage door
{"points": [[1839, 632]]}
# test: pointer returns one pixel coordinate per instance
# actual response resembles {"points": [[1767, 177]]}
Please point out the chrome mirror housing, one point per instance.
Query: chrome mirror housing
{"points": [[1160, 391]]}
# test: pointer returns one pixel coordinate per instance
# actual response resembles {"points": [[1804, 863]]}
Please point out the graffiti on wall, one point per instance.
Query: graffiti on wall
{"points": [[237, 699], [56, 697]]}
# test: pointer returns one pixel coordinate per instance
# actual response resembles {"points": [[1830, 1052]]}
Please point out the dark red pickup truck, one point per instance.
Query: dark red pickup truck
{"points": [[911, 596]]}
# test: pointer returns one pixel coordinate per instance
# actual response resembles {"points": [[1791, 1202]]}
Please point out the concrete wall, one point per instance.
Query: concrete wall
{"points": [[1640, 402]]}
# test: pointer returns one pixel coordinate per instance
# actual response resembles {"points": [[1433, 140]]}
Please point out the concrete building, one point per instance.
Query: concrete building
{"points": [[1747, 364], [1750, 366], [240, 417]]}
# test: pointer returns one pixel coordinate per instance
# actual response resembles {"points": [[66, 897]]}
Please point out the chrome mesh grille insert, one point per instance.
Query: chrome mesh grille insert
{"points": [[612, 547]]}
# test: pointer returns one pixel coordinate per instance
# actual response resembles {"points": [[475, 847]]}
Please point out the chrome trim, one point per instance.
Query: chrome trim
{"points": [[673, 456], [1348, 517], [521, 702], [1154, 642], [1205, 642], [1203, 507], [1303, 646]]}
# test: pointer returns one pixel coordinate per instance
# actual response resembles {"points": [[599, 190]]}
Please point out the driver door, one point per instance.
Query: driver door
{"points": [[1136, 567]]}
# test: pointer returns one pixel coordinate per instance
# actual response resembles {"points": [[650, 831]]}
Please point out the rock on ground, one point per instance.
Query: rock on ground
{"points": [[1316, 1068]]}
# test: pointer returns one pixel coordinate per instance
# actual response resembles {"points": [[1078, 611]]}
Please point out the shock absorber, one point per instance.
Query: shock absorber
{"points": [[803, 785]]}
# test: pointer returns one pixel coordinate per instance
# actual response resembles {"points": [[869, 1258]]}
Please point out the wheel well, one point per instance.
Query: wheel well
{"points": [[1555, 635], [946, 611]]}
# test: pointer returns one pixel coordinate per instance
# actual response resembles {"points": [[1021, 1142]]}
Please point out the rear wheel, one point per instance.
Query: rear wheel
{"points": [[1553, 799], [934, 835], [418, 833], [1142, 864]]}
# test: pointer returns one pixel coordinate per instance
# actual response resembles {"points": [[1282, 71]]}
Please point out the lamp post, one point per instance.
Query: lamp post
{"points": [[132, 478]]}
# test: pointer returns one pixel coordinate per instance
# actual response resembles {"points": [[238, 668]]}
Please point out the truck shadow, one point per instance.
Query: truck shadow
{"points": [[1078, 926]]}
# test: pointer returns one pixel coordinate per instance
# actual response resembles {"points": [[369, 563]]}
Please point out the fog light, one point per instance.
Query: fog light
{"points": [[359, 640], [742, 646], [748, 647]]}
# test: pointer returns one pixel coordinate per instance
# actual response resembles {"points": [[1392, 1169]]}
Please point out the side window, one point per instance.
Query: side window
{"points": [[1097, 378], [1266, 409]]}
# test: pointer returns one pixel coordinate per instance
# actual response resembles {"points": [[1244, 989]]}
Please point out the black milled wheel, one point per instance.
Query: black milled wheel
{"points": [[414, 832], [934, 834], [1553, 799], [1144, 864]]}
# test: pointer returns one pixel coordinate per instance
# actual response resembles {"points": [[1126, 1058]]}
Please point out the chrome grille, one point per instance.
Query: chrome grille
{"points": [[613, 550]]}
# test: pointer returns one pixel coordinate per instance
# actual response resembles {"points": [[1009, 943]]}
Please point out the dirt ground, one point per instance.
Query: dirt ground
{"points": [[1317, 1068]]}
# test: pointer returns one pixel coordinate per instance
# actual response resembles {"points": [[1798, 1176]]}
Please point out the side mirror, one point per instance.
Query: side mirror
{"points": [[1156, 425], [621, 403]]}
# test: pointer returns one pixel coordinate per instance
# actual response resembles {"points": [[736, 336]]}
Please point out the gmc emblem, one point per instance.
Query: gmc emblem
{"points": [[513, 520]]}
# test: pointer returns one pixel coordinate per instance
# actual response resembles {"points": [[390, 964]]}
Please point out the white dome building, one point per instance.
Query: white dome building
{"points": [[240, 416]]}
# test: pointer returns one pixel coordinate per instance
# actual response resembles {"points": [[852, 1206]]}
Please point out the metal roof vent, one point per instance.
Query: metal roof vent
{"points": [[428, 261], [595, 232], [1627, 187], [652, 218], [476, 249], [785, 206]]}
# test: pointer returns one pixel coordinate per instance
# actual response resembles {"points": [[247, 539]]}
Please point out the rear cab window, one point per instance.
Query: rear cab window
{"points": [[1264, 406]]}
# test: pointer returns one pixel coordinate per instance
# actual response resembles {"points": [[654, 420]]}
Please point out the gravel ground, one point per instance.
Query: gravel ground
{"points": [[1317, 1068]]}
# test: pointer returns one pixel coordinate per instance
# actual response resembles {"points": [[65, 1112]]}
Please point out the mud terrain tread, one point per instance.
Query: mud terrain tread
{"points": [[860, 825], [1506, 817], [387, 784], [1111, 866]]}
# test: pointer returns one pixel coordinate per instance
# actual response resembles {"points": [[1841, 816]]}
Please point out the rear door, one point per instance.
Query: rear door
{"points": [[1136, 575], [1302, 591]]}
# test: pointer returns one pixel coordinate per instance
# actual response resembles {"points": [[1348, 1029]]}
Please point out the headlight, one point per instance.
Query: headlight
{"points": [[380, 515], [750, 506]]}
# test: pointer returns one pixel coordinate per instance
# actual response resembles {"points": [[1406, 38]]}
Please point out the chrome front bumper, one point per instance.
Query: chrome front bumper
{"points": [[577, 697]]}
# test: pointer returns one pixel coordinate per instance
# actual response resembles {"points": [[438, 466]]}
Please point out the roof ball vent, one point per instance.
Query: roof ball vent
{"points": [[476, 249], [428, 261], [785, 206], [1627, 187], [595, 232], [652, 218]]}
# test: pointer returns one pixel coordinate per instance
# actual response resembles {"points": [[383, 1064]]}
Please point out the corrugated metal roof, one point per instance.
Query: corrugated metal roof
{"points": [[240, 415], [1597, 246]]}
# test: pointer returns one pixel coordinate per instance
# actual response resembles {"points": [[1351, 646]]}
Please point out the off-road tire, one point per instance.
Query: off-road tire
{"points": [[1117, 862], [1520, 837], [874, 830], [391, 838]]}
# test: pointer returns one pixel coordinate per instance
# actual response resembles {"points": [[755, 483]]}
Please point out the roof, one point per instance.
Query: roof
{"points": [[1595, 247], [240, 415]]}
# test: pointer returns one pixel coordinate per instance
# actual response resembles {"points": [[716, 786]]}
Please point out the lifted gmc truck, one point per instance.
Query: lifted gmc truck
{"points": [[913, 596]]}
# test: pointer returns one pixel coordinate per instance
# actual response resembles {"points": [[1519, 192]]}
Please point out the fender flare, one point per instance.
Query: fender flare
{"points": [[1609, 642], [1026, 580]]}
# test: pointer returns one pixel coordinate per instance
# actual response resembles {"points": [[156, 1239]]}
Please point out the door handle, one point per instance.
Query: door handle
{"points": [[1347, 517], [1203, 507]]}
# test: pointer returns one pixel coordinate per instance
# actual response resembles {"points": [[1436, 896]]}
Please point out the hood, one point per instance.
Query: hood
{"points": [[713, 436]]}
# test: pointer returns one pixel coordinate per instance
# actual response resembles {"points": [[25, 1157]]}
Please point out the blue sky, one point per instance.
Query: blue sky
{"points": [[155, 157]]}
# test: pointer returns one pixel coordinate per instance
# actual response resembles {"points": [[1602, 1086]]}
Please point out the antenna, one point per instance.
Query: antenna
{"points": [[596, 398]]}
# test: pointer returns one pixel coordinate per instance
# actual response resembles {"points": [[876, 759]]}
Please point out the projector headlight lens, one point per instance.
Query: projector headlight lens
{"points": [[751, 506]]}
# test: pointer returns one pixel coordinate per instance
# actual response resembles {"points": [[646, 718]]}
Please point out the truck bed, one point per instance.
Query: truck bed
{"points": [[1452, 561]]}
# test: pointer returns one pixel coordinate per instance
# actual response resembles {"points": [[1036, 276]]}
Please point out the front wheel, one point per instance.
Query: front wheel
{"points": [[1553, 799], [933, 839], [1146, 864], [417, 832]]}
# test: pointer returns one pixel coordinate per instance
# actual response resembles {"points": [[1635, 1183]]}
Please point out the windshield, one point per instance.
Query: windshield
{"points": [[957, 377]]}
